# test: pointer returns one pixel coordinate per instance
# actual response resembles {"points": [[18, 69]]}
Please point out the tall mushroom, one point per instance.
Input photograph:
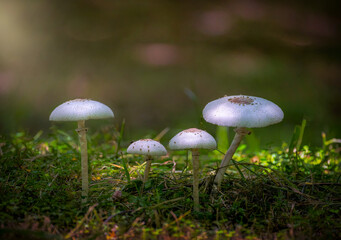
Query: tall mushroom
{"points": [[149, 148], [193, 139], [241, 112], [81, 110]]}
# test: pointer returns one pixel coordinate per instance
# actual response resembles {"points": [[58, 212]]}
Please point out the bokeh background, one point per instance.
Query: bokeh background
{"points": [[158, 63]]}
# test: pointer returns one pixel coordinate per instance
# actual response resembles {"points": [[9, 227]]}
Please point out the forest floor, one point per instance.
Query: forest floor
{"points": [[285, 192]]}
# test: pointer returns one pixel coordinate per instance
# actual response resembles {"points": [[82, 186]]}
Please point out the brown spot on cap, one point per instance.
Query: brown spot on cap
{"points": [[79, 100], [146, 140], [192, 130], [242, 100]]}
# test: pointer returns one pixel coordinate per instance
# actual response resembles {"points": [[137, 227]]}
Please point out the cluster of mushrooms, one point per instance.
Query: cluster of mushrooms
{"points": [[241, 112]]}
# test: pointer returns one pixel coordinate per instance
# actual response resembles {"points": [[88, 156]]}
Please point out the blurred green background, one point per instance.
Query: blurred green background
{"points": [[158, 63]]}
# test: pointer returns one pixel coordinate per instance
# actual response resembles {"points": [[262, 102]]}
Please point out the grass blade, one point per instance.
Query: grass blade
{"points": [[126, 170], [222, 138], [297, 137], [240, 172], [119, 139]]}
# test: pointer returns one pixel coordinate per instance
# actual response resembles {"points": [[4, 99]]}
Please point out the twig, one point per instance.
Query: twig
{"points": [[168, 201], [53, 180], [70, 234], [109, 218], [309, 183], [36, 157]]}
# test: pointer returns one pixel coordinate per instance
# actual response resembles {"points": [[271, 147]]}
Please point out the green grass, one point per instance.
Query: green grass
{"points": [[290, 191]]}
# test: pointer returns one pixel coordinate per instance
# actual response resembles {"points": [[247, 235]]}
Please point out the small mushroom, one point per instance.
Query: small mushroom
{"points": [[80, 110], [193, 139], [149, 148], [241, 112]]}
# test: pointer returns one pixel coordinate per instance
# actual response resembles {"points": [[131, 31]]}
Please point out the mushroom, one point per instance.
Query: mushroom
{"points": [[80, 110], [193, 139], [149, 148], [241, 112]]}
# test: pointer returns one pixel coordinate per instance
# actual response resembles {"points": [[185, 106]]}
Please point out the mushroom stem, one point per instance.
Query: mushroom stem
{"points": [[147, 168], [84, 159], [195, 161], [238, 137]]}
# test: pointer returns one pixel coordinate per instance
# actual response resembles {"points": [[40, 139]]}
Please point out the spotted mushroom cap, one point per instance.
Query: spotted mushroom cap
{"points": [[192, 138], [81, 109], [242, 111], [147, 147]]}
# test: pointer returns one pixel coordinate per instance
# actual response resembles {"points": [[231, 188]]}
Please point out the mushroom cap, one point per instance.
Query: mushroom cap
{"points": [[242, 111], [192, 138], [81, 109], [147, 147]]}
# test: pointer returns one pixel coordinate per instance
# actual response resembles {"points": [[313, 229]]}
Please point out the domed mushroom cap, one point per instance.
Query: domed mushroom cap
{"points": [[242, 111], [192, 138], [81, 109], [147, 147]]}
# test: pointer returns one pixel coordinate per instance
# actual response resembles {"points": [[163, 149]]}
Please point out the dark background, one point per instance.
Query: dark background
{"points": [[158, 63]]}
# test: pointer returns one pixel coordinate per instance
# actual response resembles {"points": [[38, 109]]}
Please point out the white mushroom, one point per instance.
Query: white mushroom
{"points": [[241, 112], [149, 148], [80, 110], [193, 139]]}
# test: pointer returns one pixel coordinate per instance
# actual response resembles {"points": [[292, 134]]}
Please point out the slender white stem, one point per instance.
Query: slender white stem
{"points": [[195, 162], [84, 160], [238, 137], [147, 168]]}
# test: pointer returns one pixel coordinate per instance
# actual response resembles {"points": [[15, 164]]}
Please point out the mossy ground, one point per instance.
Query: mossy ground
{"points": [[282, 193]]}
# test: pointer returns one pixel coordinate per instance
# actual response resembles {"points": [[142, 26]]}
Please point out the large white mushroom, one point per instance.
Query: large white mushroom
{"points": [[193, 139], [241, 112], [80, 110], [149, 148]]}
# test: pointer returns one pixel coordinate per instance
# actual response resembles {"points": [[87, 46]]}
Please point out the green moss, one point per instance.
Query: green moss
{"points": [[268, 193]]}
